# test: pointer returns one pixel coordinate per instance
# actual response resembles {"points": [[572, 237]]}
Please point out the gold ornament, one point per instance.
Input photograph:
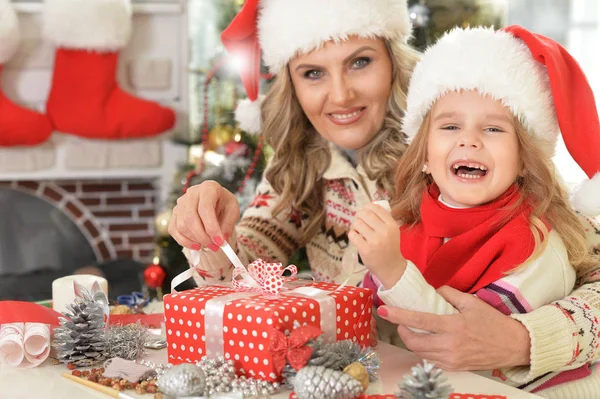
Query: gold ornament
{"points": [[161, 222], [219, 135], [359, 373]]}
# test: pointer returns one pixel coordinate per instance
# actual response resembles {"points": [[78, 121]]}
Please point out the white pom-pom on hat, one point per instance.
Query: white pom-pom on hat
{"points": [[248, 115]]}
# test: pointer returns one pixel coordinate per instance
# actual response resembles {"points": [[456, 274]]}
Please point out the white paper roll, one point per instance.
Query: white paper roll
{"points": [[11, 343], [63, 293], [36, 343], [24, 345]]}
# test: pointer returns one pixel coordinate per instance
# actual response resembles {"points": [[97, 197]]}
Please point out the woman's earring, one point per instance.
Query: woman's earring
{"points": [[424, 170]]}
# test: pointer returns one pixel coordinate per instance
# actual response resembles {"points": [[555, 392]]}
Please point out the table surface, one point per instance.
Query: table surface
{"points": [[46, 382]]}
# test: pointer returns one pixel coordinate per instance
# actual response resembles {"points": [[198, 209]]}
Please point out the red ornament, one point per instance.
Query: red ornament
{"points": [[154, 275]]}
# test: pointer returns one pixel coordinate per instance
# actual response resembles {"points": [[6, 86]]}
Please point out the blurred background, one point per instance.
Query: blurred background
{"points": [[102, 205]]}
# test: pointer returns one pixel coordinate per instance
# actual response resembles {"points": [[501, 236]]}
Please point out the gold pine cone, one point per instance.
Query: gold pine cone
{"points": [[359, 373]]}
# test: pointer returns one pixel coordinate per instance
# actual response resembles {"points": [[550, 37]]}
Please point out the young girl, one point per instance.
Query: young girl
{"points": [[479, 204]]}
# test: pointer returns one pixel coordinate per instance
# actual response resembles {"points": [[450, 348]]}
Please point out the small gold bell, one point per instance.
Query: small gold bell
{"points": [[359, 373]]}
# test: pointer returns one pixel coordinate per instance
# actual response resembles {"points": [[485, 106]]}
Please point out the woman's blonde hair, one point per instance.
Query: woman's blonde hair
{"points": [[538, 184], [301, 155]]}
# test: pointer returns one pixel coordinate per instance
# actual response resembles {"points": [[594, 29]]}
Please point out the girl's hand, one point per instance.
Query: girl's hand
{"points": [[376, 235]]}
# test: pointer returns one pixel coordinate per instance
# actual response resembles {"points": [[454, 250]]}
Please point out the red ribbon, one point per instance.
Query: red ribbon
{"points": [[27, 312], [293, 347]]}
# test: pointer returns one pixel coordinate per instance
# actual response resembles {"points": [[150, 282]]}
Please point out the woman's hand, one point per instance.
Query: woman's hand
{"points": [[479, 337], [204, 216], [376, 236]]}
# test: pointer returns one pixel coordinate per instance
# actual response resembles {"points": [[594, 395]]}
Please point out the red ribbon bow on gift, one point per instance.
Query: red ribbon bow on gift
{"points": [[293, 347], [268, 276]]}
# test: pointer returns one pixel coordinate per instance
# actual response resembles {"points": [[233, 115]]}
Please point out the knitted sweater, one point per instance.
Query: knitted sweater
{"points": [[548, 277], [260, 235], [565, 333]]}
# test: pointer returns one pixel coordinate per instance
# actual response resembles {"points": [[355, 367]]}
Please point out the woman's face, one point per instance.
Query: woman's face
{"points": [[344, 88]]}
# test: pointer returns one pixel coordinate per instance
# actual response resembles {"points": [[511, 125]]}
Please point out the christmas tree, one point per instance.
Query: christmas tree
{"points": [[431, 18], [217, 148]]}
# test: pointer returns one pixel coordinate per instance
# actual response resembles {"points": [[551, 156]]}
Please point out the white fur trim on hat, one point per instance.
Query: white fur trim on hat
{"points": [[586, 198], [9, 31], [494, 63], [287, 28], [248, 115], [100, 25]]}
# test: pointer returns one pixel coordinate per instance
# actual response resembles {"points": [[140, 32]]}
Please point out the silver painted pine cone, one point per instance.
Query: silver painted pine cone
{"points": [[316, 382]]}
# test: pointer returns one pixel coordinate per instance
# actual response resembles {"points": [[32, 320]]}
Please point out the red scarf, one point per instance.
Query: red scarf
{"points": [[483, 244]]}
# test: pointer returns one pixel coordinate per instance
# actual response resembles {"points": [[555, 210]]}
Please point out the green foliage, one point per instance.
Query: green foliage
{"points": [[447, 14]]}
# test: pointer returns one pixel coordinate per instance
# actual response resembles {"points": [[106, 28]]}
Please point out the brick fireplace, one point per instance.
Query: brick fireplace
{"points": [[110, 189], [115, 216]]}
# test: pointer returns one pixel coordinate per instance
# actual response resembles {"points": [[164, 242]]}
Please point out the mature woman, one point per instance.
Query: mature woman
{"points": [[333, 115]]}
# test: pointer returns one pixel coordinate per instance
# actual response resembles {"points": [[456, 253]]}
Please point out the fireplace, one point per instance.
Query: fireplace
{"points": [[116, 217]]}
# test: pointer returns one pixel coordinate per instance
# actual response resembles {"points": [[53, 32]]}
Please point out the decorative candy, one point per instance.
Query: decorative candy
{"points": [[183, 380], [359, 372], [154, 275]]}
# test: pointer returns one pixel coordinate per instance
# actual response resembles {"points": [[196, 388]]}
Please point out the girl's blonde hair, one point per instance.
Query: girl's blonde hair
{"points": [[537, 184], [301, 155]]}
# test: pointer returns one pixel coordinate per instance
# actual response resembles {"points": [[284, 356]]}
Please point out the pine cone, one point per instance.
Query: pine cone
{"points": [[288, 373], [316, 382], [81, 340], [336, 355], [425, 382]]}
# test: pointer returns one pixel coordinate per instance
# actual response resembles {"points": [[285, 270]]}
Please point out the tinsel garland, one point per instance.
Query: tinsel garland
{"points": [[126, 341], [219, 377]]}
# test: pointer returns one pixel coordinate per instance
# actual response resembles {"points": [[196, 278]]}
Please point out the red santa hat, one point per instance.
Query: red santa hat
{"points": [[535, 77], [284, 29]]}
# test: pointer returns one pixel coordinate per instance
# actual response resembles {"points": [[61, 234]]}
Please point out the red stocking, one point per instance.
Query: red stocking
{"points": [[85, 98], [18, 125]]}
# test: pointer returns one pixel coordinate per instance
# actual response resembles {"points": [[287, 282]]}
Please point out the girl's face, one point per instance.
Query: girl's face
{"points": [[472, 148], [344, 88]]}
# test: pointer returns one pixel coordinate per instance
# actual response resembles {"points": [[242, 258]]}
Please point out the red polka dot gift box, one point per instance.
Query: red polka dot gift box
{"points": [[220, 321]]}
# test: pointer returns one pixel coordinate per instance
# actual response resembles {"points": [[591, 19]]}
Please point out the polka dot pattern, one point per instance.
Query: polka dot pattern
{"points": [[246, 323]]}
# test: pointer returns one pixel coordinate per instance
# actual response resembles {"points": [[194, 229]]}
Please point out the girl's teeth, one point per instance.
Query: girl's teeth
{"points": [[464, 176], [470, 165], [345, 116]]}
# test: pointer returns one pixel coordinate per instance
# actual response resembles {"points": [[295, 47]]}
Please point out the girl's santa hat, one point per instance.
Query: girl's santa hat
{"points": [[535, 77], [284, 29]]}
